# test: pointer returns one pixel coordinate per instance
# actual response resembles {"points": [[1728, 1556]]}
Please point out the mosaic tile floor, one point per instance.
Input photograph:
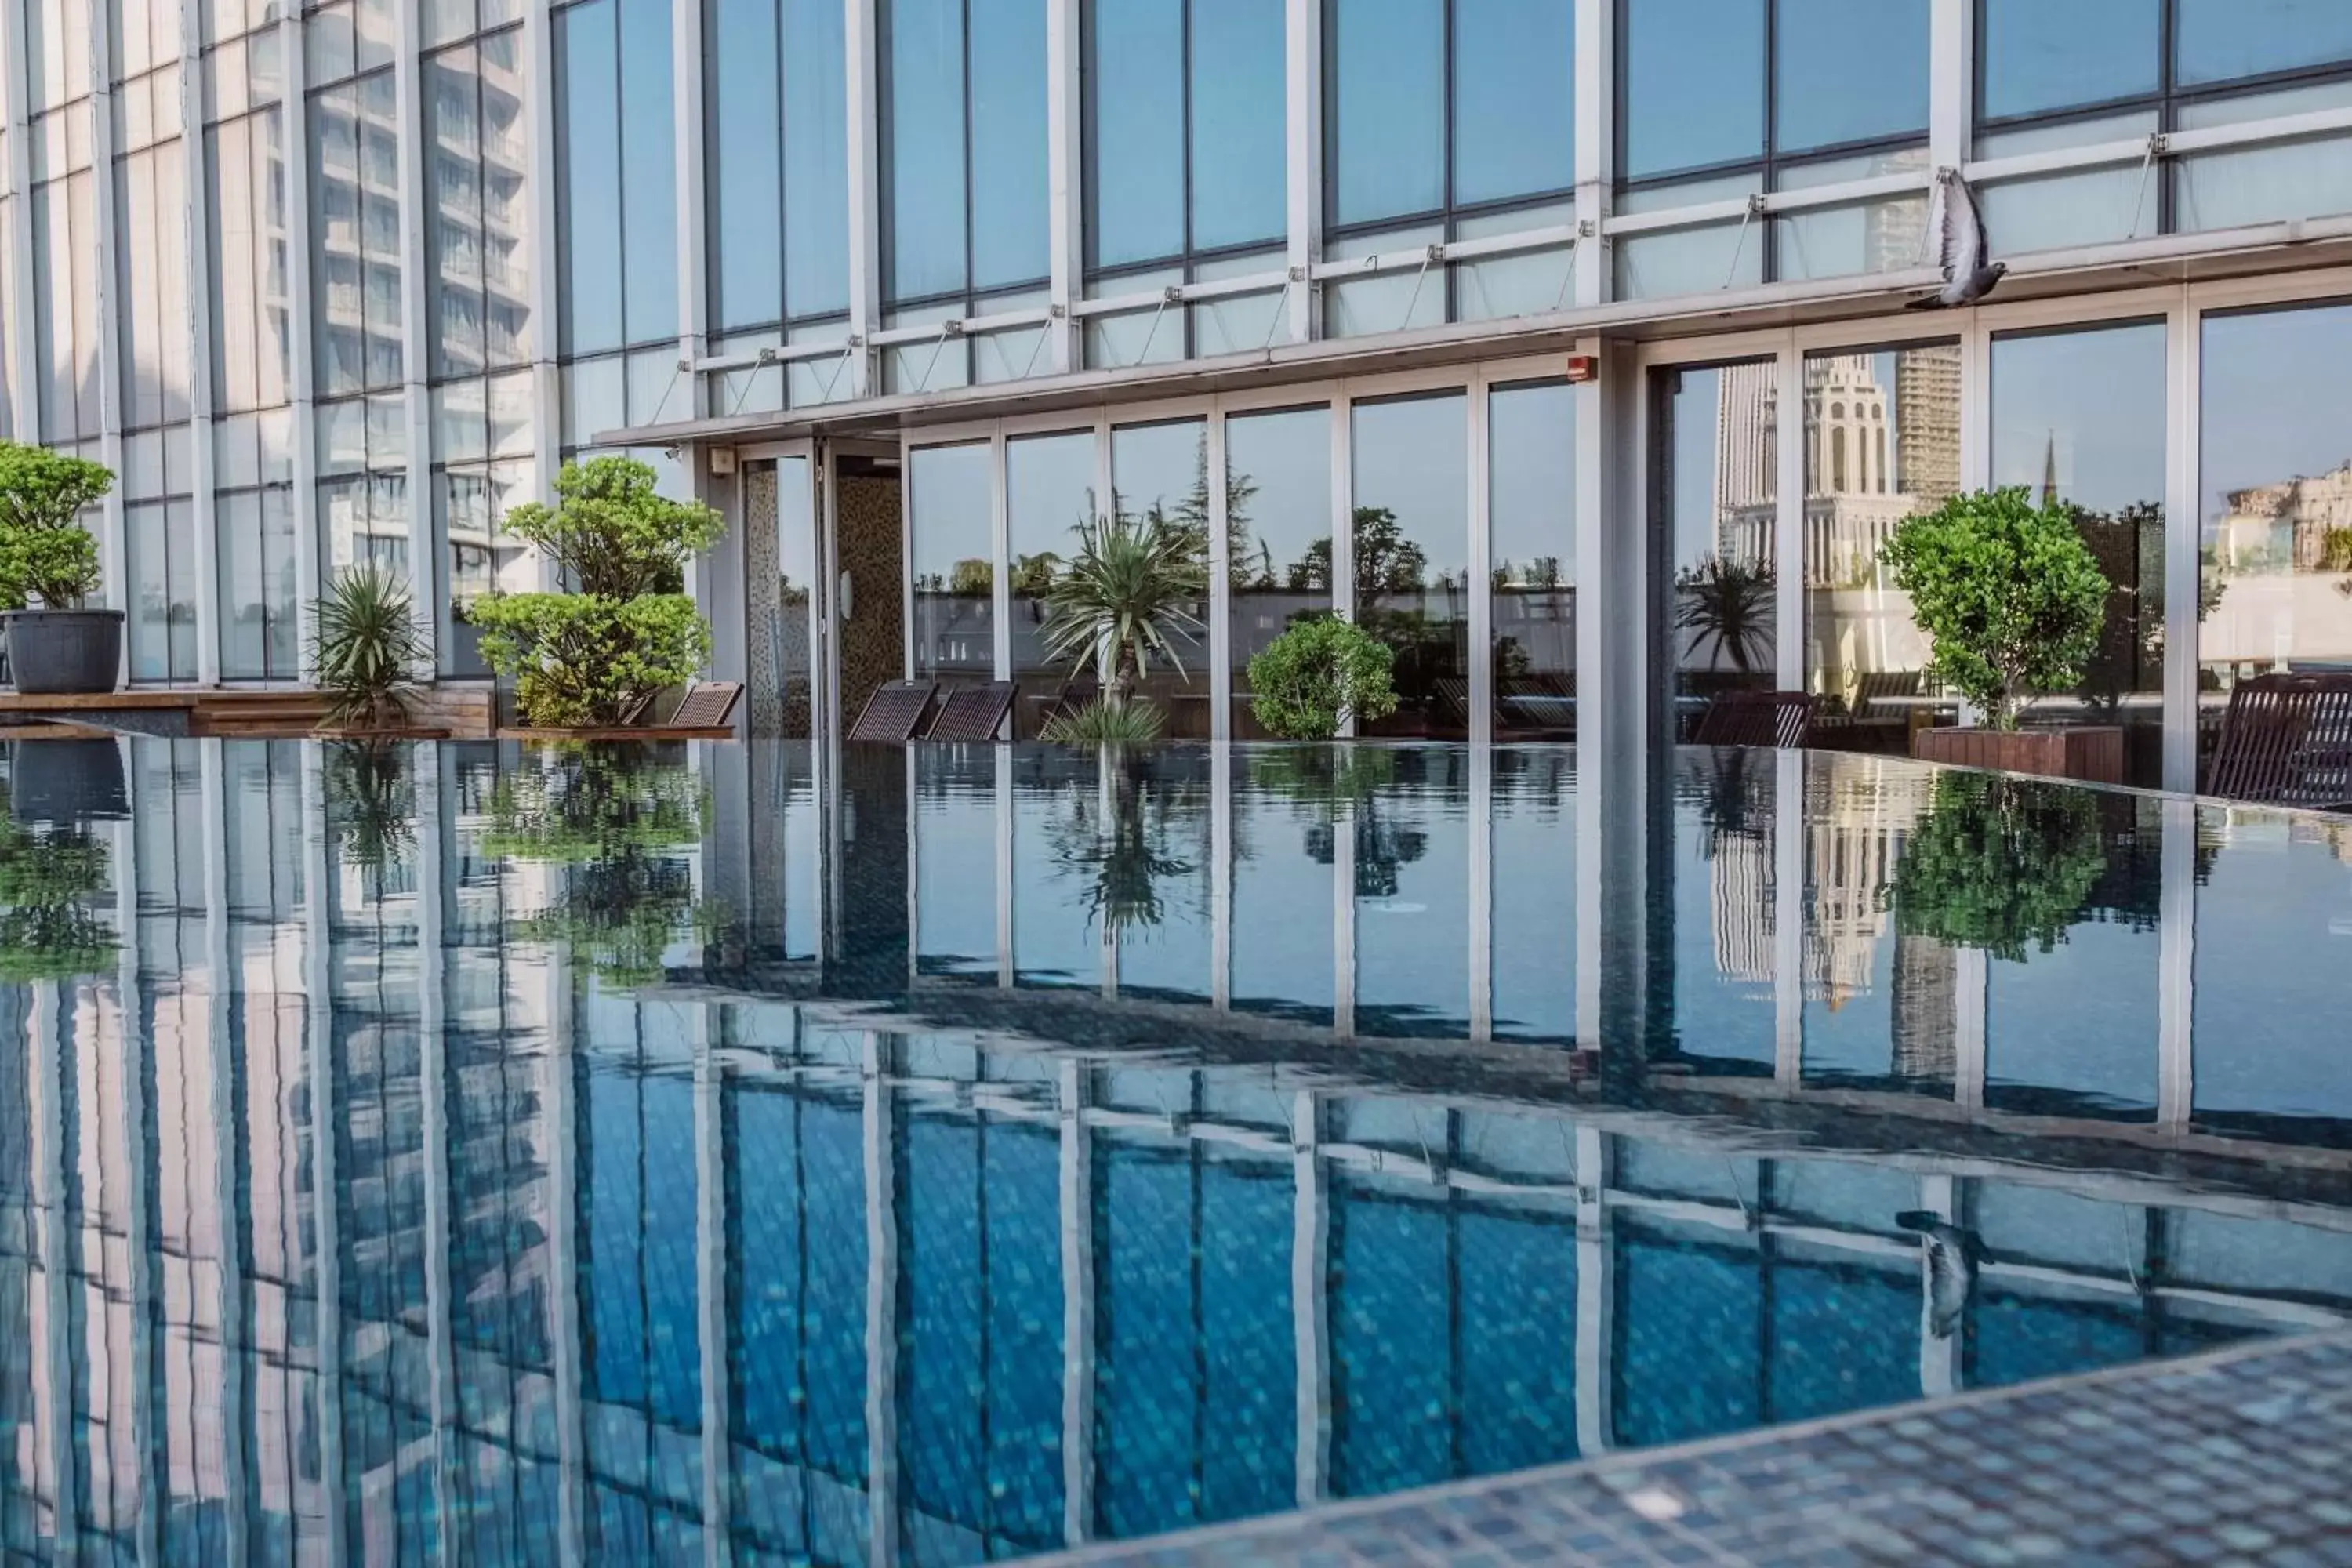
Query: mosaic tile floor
{"points": [[2238, 1457]]}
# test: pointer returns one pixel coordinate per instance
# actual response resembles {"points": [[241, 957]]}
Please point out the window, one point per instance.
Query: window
{"points": [[1446, 119], [952, 564], [1049, 494], [617, 176], [778, 162], [2276, 542], [1714, 531], [1278, 523], [1531, 522], [63, 220], [2052, 76], [482, 451], [1161, 471], [1788, 94], [354, 221], [1409, 538], [478, 223]]}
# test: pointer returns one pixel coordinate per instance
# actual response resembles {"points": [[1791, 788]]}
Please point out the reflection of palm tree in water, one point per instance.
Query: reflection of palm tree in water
{"points": [[1331, 780], [1123, 843]]}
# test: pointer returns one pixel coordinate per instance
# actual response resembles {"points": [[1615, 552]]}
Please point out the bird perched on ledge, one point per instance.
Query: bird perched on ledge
{"points": [[1958, 229]]}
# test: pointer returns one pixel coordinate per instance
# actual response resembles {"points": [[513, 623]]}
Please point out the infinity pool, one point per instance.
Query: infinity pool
{"points": [[738, 1153]]}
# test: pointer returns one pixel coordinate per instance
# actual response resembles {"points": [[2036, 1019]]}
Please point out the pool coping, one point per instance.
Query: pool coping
{"points": [[1811, 1491]]}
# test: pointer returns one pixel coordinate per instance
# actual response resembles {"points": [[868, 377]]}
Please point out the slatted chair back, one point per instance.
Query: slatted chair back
{"points": [[972, 713], [708, 705], [895, 711], [1453, 693], [2286, 739], [1756, 719], [1877, 683]]}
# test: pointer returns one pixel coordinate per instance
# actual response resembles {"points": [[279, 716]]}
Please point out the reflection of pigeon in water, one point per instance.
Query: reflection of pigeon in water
{"points": [[1959, 232], [1952, 1258]]}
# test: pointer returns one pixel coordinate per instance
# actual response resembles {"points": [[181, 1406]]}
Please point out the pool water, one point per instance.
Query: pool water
{"points": [[744, 1154]]}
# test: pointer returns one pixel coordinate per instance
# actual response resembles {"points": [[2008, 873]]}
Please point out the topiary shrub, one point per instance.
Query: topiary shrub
{"points": [[592, 657], [1317, 676], [44, 552], [2009, 596]]}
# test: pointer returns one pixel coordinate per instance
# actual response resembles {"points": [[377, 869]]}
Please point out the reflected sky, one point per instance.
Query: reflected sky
{"points": [[457, 1153]]}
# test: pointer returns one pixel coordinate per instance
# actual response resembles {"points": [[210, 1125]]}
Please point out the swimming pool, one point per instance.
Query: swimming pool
{"points": [[462, 1154]]}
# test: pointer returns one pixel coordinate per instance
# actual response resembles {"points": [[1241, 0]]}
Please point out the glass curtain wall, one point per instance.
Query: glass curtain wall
{"points": [[2275, 537], [1160, 474], [1278, 525], [952, 538], [151, 312], [478, 295], [1446, 119], [2052, 76], [356, 275], [1713, 532], [2078, 418], [1050, 493], [1409, 538], [1787, 93], [964, 187], [778, 184], [1185, 165], [1532, 518], [1882, 441], [252, 368], [63, 217]]}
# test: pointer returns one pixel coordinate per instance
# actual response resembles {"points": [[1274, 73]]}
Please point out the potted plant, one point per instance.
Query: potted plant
{"points": [[2012, 601], [47, 555], [596, 657], [1999, 864], [365, 648], [1315, 677], [1126, 595]]}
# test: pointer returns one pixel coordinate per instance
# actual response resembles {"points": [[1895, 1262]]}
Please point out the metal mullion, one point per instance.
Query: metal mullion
{"points": [[1768, 250]]}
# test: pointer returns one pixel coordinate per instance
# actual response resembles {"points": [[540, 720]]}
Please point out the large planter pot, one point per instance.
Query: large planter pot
{"points": [[57, 652], [2093, 753]]}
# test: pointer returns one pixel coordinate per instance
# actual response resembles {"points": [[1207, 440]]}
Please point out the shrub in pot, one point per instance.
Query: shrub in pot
{"points": [[48, 556], [1314, 678], [593, 656], [366, 647], [2012, 601]]}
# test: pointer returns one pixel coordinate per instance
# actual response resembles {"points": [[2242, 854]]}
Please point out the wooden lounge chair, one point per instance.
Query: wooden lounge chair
{"points": [[972, 713], [1866, 722], [895, 711], [1452, 695], [704, 713], [1756, 719], [2286, 739]]}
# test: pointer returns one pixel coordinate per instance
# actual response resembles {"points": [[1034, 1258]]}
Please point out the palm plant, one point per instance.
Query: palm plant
{"points": [[1728, 604], [1124, 598], [365, 647]]}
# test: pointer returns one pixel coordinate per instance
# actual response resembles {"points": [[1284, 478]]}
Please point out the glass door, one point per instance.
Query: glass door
{"points": [[1714, 525], [784, 596]]}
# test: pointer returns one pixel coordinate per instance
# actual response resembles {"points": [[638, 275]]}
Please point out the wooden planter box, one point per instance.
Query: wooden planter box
{"points": [[2094, 755]]}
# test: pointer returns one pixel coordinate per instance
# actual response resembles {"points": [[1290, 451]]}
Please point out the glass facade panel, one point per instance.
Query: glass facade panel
{"points": [[355, 257], [1514, 99], [1386, 88], [2276, 534], [777, 145], [1714, 530], [1008, 228], [1049, 494], [1136, 92], [2269, 182], [1848, 70], [1161, 471], [964, 139], [1687, 107], [477, 230], [1532, 518], [1278, 519], [925, 131], [617, 192], [2035, 57], [1882, 442], [1239, 148], [1411, 540], [2111, 203], [2079, 417], [949, 511], [2220, 40]]}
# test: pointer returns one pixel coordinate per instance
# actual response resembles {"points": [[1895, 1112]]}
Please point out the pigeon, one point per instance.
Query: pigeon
{"points": [[1952, 1258], [1959, 233]]}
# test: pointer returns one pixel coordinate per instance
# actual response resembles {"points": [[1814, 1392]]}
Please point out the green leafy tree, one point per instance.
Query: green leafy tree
{"points": [[1126, 596], [612, 534], [1313, 678], [365, 647], [1725, 604], [2001, 863], [2009, 596], [585, 661], [44, 552]]}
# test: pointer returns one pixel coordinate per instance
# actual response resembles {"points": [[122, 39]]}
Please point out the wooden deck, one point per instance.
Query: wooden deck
{"points": [[172, 711]]}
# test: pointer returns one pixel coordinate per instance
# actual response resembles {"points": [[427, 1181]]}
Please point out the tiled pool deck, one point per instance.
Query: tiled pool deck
{"points": [[2242, 1456]]}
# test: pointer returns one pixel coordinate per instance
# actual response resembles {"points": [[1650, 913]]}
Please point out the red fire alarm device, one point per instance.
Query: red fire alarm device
{"points": [[1583, 367]]}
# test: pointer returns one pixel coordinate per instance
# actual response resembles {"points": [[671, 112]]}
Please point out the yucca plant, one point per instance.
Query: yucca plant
{"points": [[1104, 722], [365, 647], [1124, 598]]}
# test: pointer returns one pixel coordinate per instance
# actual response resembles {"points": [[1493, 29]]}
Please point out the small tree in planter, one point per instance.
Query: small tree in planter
{"points": [[45, 555], [1315, 677], [592, 657], [2012, 601]]}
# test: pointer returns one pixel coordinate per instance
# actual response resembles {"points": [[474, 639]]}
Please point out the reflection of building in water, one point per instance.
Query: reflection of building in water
{"points": [[1854, 837], [2288, 522], [1927, 1002], [1740, 893]]}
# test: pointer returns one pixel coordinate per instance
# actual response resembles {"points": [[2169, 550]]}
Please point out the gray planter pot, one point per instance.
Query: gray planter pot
{"points": [[56, 653]]}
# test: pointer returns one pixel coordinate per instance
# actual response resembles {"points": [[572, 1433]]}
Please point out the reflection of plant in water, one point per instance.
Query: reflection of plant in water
{"points": [[371, 804], [47, 930], [1126, 856], [615, 819], [1330, 780], [1999, 863], [1734, 802]]}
